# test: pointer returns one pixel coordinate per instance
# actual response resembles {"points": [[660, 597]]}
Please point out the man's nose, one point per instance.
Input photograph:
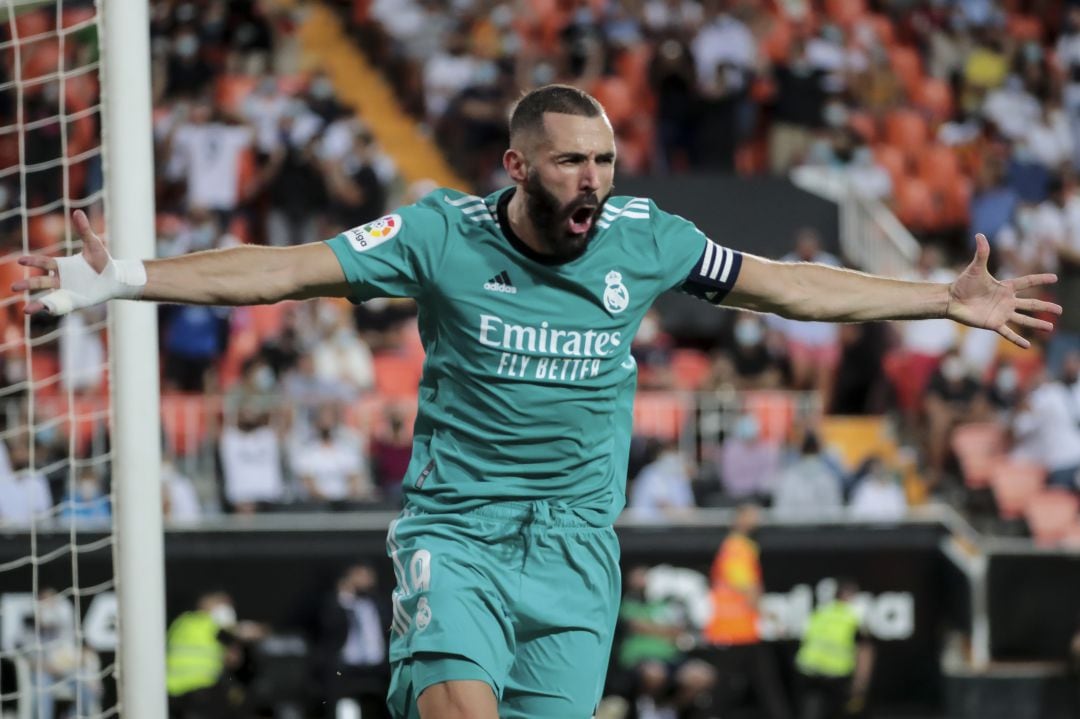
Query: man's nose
{"points": [[590, 177]]}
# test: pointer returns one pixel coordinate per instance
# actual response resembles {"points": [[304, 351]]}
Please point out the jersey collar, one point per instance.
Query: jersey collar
{"points": [[502, 212]]}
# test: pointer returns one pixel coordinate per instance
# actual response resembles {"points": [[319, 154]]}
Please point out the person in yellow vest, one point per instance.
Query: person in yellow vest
{"points": [[835, 659], [201, 645], [733, 627]]}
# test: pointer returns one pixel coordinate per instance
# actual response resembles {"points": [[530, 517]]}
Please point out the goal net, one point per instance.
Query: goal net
{"points": [[58, 607]]}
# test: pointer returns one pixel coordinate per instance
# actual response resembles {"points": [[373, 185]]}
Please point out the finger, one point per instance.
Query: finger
{"points": [[1023, 283], [33, 308], [1033, 323], [982, 250], [39, 262], [39, 282], [86, 232], [1007, 332], [1032, 305]]}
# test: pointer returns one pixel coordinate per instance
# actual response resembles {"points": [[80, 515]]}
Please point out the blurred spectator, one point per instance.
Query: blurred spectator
{"points": [[391, 451], [194, 339], [204, 151], [180, 501], [340, 355], [251, 461], [798, 108], [651, 348], [82, 350], [1066, 336], [1045, 432], [295, 187], [813, 347], [835, 659], [861, 386], [304, 391], [679, 18], [747, 462], [671, 77], [357, 190], [808, 488], [952, 397], [661, 489], [63, 669], [257, 388], [205, 645], [878, 496], [1070, 377], [25, 497], [263, 109], [756, 365], [659, 679], [448, 72], [88, 503], [330, 465], [351, 651], [994, 202], [733, 628]]}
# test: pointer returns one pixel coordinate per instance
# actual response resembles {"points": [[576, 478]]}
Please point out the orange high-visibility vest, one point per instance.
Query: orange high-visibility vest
{"points": [[736, 569]]}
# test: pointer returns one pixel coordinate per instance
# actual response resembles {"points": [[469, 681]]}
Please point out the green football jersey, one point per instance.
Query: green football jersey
{"points": [[528, 383]]}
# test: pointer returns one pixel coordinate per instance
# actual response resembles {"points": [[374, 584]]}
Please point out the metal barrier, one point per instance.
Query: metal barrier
{"points": [[871, 237]]}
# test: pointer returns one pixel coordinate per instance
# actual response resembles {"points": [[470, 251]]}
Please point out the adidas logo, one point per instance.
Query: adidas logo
{"points": [[501, 283]]}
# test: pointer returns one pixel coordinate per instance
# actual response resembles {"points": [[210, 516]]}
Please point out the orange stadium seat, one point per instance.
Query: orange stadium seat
{"points": [[1014, 483], [845, 12], [775, 412], [690, 368], [45, 372], [864, 124], [958, 202], [938, 167], [395, 378], [915, 205], [231, 90], [617, 96], [184, 421], [935, 97], [907, 130], [37, 22], [76, 15], [892, 159], [1050, 515], [632, 65], [1026, 28], [48, 233], [978, 447], [659, 414]]}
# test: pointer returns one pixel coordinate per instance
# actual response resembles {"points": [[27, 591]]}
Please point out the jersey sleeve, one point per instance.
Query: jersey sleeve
{"points": [[691, 261], [394, 256]]}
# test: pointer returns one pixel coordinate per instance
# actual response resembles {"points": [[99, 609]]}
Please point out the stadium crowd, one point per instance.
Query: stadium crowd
{"points": [[959, 116]]}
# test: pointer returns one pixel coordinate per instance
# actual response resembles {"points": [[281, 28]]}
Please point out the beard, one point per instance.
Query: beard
{"points": [[550, 218]]}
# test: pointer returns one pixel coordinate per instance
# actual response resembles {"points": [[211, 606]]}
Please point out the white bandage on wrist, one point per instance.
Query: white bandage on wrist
{"points": [[81, 286]]}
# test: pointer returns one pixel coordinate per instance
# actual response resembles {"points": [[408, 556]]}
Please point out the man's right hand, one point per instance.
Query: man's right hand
{"points": [[88, 278]]}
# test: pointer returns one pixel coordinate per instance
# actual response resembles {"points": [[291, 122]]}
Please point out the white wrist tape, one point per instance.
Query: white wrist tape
{"points": [[81, 286]]}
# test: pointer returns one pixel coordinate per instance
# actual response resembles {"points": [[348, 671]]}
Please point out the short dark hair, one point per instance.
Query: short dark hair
{"points": [[528, 113]]}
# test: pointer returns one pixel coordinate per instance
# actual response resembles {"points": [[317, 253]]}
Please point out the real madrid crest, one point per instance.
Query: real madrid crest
{"points": [[616, 296]]}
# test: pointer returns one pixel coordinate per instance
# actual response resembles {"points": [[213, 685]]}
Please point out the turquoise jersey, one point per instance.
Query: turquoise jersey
{"points": [[528, 384]]}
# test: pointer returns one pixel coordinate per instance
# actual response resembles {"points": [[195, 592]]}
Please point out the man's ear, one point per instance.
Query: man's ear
{"points": [[516, 165]]}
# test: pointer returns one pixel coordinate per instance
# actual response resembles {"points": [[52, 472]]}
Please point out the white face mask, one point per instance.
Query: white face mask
{"points": [[224, 616], [952, 369], [748, 332]]}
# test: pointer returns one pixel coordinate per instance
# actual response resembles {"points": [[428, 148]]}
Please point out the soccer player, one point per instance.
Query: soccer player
{"points": [[505, 556]]}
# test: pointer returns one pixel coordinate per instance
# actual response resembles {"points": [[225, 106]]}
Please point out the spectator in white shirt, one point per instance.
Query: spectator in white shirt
{"points": [[263, 109], [1013, 109], [662, 487], [251, 461], [722, 40], [447, 73], [82, 350], [340, 355], [331, 466], [1049, 140], [1045, 431], [180, 501], [25, 497], [878, 497], [205, 153]]}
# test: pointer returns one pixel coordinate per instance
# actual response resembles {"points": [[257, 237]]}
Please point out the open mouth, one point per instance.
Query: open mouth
{"points": [[581, 219]]}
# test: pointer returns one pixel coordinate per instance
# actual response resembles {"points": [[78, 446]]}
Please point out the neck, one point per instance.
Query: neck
{"points": [[518, 215]]}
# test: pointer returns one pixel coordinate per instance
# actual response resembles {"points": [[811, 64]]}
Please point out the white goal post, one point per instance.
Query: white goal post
{"points": [[136, 433]]}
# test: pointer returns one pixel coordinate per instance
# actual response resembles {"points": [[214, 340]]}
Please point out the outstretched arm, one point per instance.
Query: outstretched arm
{"points": [[817, 292], [235, 276]]}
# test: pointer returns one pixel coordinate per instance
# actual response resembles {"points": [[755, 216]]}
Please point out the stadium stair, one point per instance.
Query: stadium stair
{"points": [[362, 87]]}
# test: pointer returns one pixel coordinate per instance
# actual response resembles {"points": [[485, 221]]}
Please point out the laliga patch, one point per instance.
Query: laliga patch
{"points": [[374, 233]]}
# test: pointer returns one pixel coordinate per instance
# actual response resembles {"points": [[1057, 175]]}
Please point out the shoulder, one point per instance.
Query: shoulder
{"points": [[457, 206], [626, 212]]}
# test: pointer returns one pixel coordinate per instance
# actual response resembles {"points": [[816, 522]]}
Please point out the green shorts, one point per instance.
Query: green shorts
{"points": [[521, 595]]}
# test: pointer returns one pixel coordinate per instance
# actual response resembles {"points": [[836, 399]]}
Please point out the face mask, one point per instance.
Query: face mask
{"points": [[952, 369], [648, 330], [264, 379], [748, 333], [224, 616], [88, 490], [322, 89], [747, 428], [1007, 380], [187, 46]]}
